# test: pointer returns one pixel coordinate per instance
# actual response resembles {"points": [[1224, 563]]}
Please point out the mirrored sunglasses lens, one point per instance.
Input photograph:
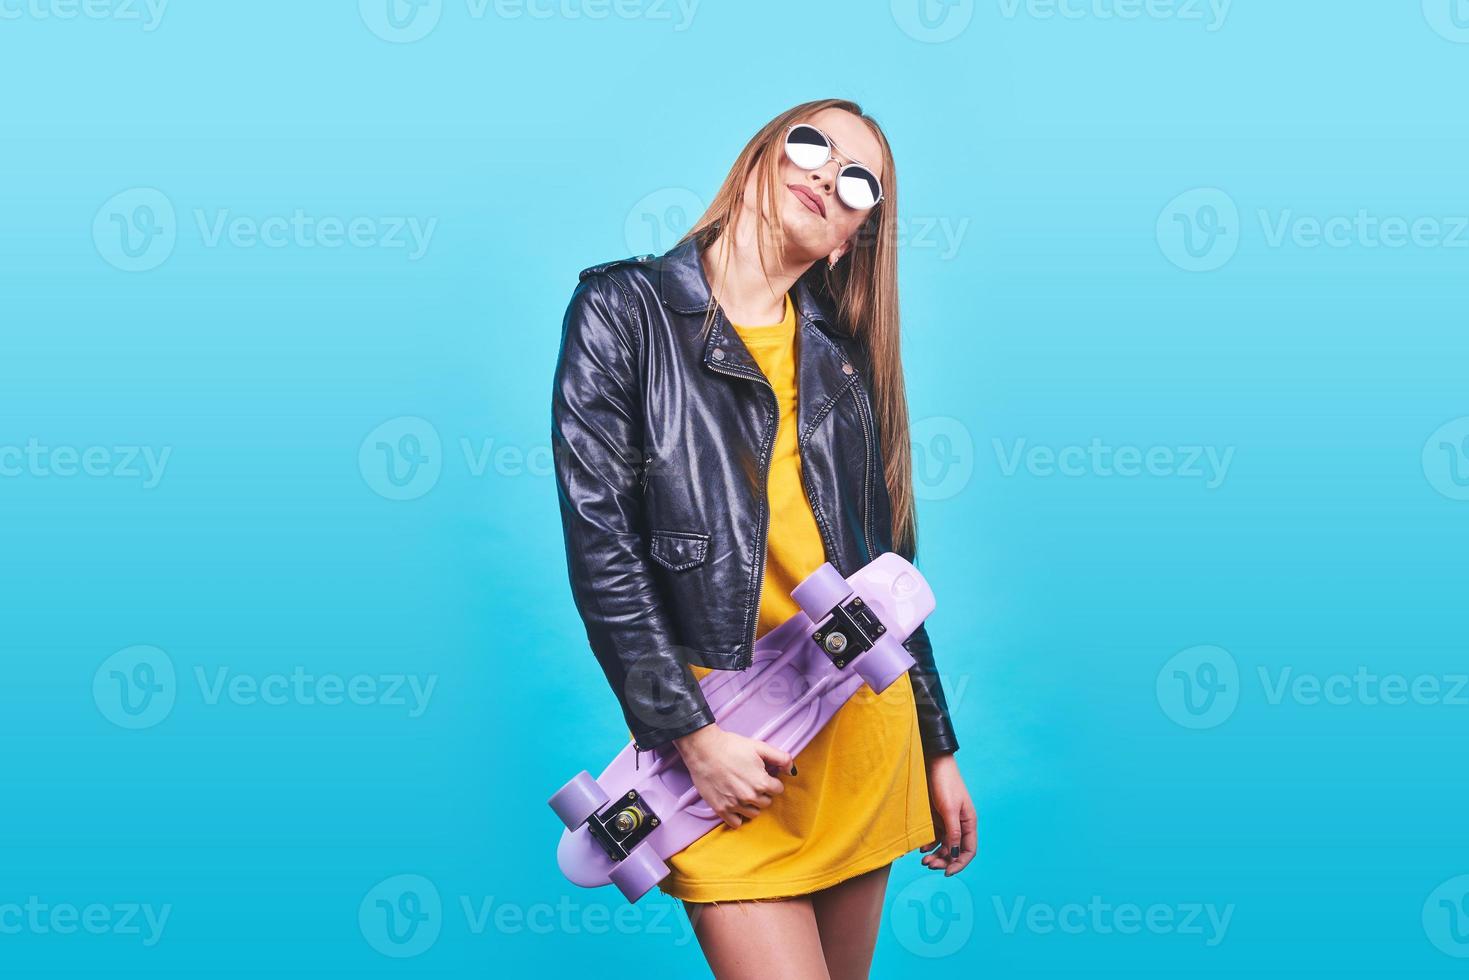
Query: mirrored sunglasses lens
{"points": [[807, 148], [858, 187]]}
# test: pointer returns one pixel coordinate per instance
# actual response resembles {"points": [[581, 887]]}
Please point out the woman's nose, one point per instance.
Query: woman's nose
{"points": [[826, 173]]}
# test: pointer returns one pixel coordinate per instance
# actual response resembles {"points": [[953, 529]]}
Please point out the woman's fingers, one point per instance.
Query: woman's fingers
{"points": [[747, 798], [953, 832], [969, 839], [933, 854], [942, 853], [779, 758]]}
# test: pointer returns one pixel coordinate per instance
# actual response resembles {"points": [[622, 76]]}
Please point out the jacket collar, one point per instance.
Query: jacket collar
{"points": [[685, 289]]}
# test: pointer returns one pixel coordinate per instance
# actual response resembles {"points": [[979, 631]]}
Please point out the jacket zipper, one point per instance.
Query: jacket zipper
{"points": [[766, 449], [866, 476]]}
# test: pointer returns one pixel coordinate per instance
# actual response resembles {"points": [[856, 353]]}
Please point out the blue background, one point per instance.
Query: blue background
{"points": [[1102, 636]]}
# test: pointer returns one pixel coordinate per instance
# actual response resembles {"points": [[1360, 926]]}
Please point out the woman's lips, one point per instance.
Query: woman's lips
{"points": [[807, 198]]}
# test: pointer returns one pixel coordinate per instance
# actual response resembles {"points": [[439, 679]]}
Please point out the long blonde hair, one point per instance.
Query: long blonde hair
{"points": [[864, 285]]}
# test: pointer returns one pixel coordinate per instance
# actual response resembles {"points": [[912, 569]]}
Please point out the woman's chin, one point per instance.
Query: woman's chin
{"points": [[804, 242]]}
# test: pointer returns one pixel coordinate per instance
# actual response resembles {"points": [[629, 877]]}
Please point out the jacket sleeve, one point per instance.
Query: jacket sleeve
{"points": [[597, 446], [935, 725]]}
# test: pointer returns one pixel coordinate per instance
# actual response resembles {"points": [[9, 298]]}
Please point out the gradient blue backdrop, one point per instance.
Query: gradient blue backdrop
{"points": [[285, 605]]}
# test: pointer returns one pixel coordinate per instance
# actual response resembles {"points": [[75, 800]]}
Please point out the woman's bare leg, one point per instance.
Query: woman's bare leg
{"points": [[847, 917], [759, 940]]}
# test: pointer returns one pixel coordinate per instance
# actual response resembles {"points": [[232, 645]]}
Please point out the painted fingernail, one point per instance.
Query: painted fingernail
{"points": [[953, 850], [793, 768]]}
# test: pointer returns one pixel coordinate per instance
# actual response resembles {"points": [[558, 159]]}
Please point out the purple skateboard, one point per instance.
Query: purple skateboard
{"points": [[622, 826]]}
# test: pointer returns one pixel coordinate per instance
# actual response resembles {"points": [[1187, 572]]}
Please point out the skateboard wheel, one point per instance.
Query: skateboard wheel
{"points": [[637, 873], [883, 664], [578, 800], [821, 592]]}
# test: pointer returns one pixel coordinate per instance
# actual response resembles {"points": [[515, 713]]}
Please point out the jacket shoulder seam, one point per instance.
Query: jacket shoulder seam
{"points": [[599, 276]]}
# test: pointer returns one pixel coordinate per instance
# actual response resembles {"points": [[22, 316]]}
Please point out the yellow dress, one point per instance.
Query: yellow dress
{"points": [[860, 796]]}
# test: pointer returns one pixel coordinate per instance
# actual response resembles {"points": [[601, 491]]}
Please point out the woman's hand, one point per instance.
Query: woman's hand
{"points": [[954, 819], [732, 772]]}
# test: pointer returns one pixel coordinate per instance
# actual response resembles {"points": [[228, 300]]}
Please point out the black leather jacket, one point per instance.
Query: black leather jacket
{"points": [[661, 438]]}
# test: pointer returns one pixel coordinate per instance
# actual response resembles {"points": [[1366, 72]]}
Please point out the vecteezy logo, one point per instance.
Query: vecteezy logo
{"points": [[401, 21], [1199, 230], [933, 21], [933, 916], [1199, 687], [401, 916], [135, 687], [1449, 17], [136, 230], [402, 458], [1446, 917], [1446, 459], [657, 221], [652, 686], [943, 457]]}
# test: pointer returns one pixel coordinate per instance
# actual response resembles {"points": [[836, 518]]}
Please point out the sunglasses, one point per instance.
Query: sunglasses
{"points": [[809, 148]]}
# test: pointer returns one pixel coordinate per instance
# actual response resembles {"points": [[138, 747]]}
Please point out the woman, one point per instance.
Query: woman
{"points": [[726, 417]]}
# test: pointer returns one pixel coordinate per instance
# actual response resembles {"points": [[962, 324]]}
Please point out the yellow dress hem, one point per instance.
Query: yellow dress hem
{"points": [[752, 889]]}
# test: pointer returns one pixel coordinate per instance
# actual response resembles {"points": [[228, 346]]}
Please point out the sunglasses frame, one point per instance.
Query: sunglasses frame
{"points": [[832, 150]]}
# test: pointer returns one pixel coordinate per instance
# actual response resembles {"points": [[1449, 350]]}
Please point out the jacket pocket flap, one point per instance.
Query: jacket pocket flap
{"points": [[679, 550]]}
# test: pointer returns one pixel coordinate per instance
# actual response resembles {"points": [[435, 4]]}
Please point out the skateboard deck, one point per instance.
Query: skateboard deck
{"points": [[643, 808]]}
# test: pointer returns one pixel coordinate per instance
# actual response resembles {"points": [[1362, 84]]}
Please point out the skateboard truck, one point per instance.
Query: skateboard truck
{"points": [[623, 825], [848, 632]]}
